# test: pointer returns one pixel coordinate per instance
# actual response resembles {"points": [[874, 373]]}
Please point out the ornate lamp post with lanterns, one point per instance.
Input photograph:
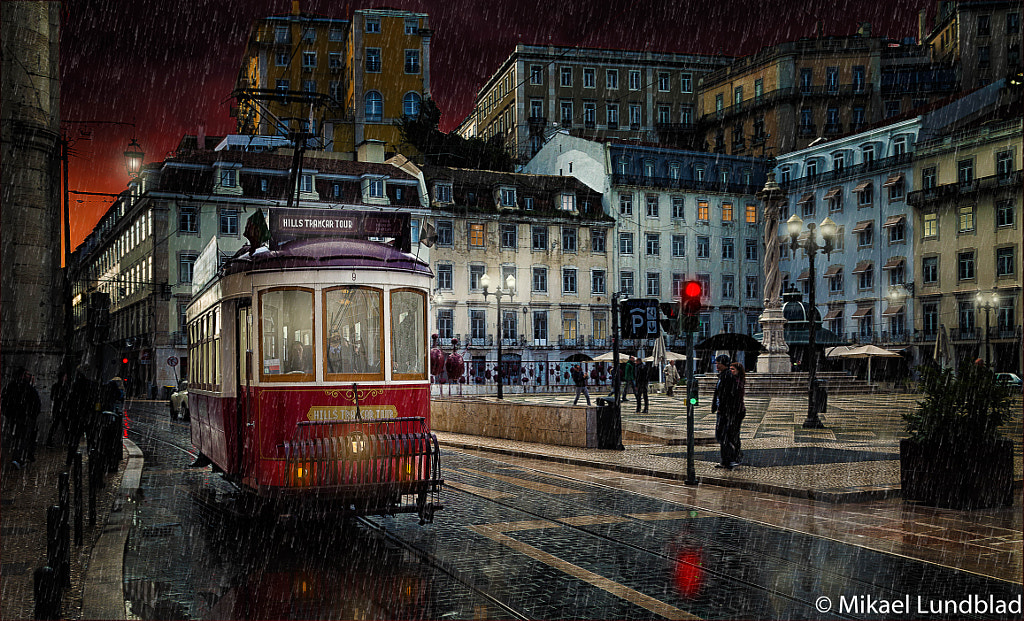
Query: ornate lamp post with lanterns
{"points": [[133, 156], [772, 320], [510, 290]]}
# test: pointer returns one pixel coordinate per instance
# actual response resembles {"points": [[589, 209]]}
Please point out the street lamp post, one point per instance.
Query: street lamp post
{"points": [[133, 158], [510, 289], [828, 229], [987, 302]]}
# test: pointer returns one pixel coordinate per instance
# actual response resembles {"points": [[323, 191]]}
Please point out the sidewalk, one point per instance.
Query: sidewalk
{"points": [[96, 565]]}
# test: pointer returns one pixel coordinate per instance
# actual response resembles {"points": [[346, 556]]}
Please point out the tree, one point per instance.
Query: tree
{"points": [[441, 149]]}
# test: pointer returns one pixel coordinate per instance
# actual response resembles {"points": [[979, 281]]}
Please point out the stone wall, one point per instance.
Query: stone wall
{"points": [[490, 418]]}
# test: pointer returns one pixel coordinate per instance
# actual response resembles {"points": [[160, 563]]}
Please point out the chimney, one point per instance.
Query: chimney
{"points": [[295, 7], [370, 150], [201, 137], [922, 18], [819, 29], [864, 29]]}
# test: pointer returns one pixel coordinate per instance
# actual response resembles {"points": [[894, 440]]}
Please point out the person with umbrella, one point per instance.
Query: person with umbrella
{"points": [[725, 405]]}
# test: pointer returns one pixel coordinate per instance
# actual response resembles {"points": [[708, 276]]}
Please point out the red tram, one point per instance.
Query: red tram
{"points": [[308, 368]]}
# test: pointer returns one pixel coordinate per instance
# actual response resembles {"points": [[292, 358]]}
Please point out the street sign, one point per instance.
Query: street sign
{"points": [[640, 318], [172, 361], [144, 356]]}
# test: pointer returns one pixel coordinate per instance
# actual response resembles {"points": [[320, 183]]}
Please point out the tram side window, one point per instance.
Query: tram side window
{"points": [[408, 334], [353, 323], [203, 354], [287, 336]]}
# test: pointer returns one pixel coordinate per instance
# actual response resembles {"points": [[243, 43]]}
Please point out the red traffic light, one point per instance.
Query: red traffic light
{"points": [[689, 297], [124, 361]]}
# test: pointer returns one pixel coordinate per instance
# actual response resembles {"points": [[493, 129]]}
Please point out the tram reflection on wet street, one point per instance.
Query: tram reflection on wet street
{"points": [[511, 542]]}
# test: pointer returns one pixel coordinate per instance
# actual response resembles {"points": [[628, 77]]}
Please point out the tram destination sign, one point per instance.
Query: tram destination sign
{"points": [[286, 224]]}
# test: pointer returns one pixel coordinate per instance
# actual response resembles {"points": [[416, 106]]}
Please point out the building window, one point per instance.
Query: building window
{"points": [[597, 241], [865, 234], [282, 59], [477, 324], [443, 192], [965, 265], [652, 205], [930, 269], [445, 233], [566, 110], [726, 212], [229, 222], [897, 231], [677, 207], [752, 290], [540, 279], [376, 188], [612, 112], [282, 34], [634, 80], [703, 247], [569, 280], [728, 287], [540, 327], [372, 24], [229, 178], [653, 241], [750, 250], [703, 212], [570, 326], [188, 220], [965, 316], [589, 78], [866, 278], [540, 237], [679, 245], [965, 171], [728, 249], [186, 267], [653, 284], [664, 114], [866, 196], [509, 235], [1004, 213], [308, 60], [476, 234], [966, 218], [374, 107], [569, 239], [411, 104], [305, 183], [626, 283], [445, 280], [835, 283], [1005, 262], [565, 76], [625, 243], [597, 282], [507, 197], [611, 79], [568, 202], [1004, 164], [931, 225], [634, 116], [373, 60]]}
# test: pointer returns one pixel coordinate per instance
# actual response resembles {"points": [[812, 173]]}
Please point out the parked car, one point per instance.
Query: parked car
{"points": [[179, 402], [1011, 379]]}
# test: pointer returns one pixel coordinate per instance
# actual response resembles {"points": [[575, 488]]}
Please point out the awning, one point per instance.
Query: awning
{"points": [[863, 266], [834, 192], [893, 180], [893, 263], [894, 309], [863, 225], [804, 275], [863, 312], [833, 271], [806, 198], [894, 220], [862, 186], [833, 313]]}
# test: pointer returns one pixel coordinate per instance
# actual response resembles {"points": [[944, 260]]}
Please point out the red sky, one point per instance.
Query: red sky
{"points": [[168, 66]]}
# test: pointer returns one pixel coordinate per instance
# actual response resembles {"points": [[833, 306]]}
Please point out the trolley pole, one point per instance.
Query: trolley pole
{"points": [[691, 471]]}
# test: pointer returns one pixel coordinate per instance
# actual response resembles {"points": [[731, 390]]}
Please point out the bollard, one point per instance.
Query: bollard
{"points": [[64, 502], [47, 591], [57, 539], [95, 482], [76, 474]]}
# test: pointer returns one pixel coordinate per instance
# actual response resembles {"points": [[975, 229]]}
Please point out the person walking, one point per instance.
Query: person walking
{"points": [[60, 398], [641, 376], [671, 377], [723, 404], [579, 378], [740, 373], [82, 406], [628, 373], [21, 405]]}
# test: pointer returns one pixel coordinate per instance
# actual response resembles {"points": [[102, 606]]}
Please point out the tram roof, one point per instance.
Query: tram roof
{"points": [[316, 253]]}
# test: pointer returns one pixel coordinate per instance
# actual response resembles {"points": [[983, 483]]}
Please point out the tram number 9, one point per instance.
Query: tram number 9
{"points": [[353, 276]]}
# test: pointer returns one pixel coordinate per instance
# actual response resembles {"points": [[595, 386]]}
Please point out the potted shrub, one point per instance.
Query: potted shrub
{"points": [[955, 456]]}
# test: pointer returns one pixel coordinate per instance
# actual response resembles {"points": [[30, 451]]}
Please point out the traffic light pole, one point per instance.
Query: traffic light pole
{"points": [[691, 472]]}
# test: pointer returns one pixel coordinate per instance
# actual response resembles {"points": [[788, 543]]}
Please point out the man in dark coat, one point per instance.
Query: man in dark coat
{"points": [[641, 376], [20, 404], [726, 405], [85, 396], [60, 398]]}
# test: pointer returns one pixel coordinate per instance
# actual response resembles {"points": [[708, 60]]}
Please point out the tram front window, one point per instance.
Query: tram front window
{"points": [[287, 335], [353, 325], [408, 334]]}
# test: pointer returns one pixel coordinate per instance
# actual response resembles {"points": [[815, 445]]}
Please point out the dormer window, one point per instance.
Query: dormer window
{"points": [[306, 183], [568, 202], [229, 178], [698, 172], [443, 192], [507, 197], [336, 190], [376, 188]]}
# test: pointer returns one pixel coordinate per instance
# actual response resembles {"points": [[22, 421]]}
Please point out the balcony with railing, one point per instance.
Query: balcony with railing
{"points": [[845, 91], [846, 172], [679, 183], [951, 191]]}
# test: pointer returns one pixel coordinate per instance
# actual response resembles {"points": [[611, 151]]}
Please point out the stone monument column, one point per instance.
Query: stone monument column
{"points": [[772, 321], [31, 305]]}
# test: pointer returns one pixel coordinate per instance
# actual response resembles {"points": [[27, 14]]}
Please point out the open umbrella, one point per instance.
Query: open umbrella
{"points": [[860, 351], [670, 356], [608, 357], [730, 341]]}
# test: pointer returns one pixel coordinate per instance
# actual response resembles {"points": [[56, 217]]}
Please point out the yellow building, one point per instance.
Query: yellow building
{"points": [[341, 81], [967, 203]]}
